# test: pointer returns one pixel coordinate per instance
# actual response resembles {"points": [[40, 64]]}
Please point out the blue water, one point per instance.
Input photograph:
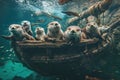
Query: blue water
{"points": [[15, 11]]}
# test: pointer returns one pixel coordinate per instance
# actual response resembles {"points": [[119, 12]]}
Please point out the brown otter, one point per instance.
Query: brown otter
{"points": [[91, 30], [17, 33], [73, 34], [54, 31], [26, 25], [40, 34]]}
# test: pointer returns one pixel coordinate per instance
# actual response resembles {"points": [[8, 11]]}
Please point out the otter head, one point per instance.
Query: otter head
{"points": [[73, 34], [17, 32], [54, 27], [15, 28], [39, 31], [92, 27], [26, 24]]}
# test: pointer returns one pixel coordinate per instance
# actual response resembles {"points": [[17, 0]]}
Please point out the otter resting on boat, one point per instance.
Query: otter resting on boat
{"points": [[54, 32], [17, 33], [40, 34], [46, 58], [26, 25], [73, 35]]}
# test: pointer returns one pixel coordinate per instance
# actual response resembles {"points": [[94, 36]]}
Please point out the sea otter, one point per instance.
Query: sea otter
{"points": [[26, 25], [91, 19], [91, 30], [54, 31], [73, 34], [17, 33], [40, 34]]}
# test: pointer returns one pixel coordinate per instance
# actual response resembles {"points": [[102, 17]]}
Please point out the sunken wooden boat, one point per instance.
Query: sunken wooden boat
{"points": [[56, 58], [59, 58]]}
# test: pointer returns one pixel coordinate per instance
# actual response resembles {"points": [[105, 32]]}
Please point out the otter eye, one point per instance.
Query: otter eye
{"points": [[51, 24], [69, 28], [17, 26], [78, 30], [89, 25]]}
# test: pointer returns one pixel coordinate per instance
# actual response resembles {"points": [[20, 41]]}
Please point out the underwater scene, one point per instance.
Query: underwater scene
{"points": [[59, 39]]}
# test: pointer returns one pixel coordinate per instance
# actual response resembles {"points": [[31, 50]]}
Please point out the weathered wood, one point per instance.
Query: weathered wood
{"points": [[58, 58], [94, 10], [114, 25]]}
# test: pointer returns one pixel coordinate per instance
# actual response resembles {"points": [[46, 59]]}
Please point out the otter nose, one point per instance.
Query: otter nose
{"points": [[13, 28], [56, 24], [25, 23], [92, 25], [73, 31]]}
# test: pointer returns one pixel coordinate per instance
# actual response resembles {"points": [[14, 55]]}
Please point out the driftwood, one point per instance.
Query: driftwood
{"points": [[94, 10]]}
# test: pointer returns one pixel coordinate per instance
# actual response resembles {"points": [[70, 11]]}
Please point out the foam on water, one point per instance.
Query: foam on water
{"points": [[50, 7]]}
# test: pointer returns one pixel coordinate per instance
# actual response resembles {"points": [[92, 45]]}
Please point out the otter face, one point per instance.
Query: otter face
{"points": [[91, 27], [74, 30], [25, 23], [39, 30], [54, 27], [15, 28], [73, 34]]}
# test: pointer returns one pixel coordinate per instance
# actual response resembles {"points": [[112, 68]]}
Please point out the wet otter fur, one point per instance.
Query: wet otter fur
{"points": [[40, 34], [17, 33], [54, 31], [73, 35], [26, 25]]}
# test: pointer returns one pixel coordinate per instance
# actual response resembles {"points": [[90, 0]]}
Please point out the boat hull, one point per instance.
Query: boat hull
{"points": [[58, 58]]}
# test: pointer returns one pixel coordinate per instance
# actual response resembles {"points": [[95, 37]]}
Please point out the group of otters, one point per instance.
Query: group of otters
{"points": [[72, 35]]}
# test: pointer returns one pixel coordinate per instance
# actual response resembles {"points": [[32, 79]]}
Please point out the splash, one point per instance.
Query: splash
{"points": [[39, 6]]}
